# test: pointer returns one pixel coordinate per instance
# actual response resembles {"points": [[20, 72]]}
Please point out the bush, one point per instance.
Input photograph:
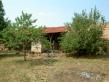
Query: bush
{"points": [[84, 36]]}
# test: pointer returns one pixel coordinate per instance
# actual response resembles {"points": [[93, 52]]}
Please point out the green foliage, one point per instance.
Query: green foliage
{"points": [[69, 42], [46, 45], [25, 21], [22, 37], [85, 34], [9, 37], [2, 20], [20, 34]]}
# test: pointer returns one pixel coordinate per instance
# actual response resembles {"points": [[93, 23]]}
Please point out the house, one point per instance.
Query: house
{"points": [[36, 47], [53, 34], [106, 32]]}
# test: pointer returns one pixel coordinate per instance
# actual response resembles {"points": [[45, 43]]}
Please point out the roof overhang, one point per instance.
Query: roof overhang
{"points": [[59, 29]]}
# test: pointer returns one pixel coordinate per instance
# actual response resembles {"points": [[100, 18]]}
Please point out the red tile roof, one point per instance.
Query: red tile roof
{"points": [[55, 29]]}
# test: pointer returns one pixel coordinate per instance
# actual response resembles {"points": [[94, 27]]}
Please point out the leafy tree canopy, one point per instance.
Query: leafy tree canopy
{"points": [[85, 34], [21, 33], [2, 20]]}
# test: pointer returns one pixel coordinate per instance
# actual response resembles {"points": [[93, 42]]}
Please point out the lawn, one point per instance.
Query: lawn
{"points": [[58, 69]]}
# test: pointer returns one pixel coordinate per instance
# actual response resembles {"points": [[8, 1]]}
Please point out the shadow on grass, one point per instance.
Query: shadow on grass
{"points": [[5, 54], [37, 62], [92, 56]]}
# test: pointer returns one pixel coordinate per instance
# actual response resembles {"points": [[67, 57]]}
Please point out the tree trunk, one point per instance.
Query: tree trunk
{"points": [[24, 56], [24, 52]]}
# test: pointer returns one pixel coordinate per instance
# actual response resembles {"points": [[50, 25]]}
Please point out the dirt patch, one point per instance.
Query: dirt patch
{"points": [[77, 76]]}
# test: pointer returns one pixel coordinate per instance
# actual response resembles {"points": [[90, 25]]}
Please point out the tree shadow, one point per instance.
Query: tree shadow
{"points": [[89, 56], [37, 62], [6, 54]]}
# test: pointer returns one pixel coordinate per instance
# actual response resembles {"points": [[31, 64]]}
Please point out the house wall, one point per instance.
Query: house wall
{"points": [[106, 32], [36, 47]]}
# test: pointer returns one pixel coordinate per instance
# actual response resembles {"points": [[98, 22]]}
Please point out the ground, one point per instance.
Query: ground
{"points": [[58, 69]]}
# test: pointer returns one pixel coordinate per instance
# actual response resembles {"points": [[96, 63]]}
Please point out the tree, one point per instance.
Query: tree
{"points": [[25, 21], [9, 35], [26, 36], [2, 20], [20, 34], [85, 34]]}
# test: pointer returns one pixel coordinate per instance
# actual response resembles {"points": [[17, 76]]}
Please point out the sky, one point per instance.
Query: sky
{"points": [[53, 12]]}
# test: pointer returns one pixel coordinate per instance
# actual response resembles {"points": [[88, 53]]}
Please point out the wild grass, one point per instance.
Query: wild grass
{"points": [[15, 69]]}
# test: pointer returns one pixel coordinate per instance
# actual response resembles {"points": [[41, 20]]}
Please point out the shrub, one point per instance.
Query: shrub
{"points": [[84, 36]]}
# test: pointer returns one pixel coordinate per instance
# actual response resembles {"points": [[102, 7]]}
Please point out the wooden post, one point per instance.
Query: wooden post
{"points": [[52, 44]]}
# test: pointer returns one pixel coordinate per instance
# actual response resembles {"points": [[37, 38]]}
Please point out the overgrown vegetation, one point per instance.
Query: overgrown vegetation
{"points": [[2, 19], [22, 33], [84, 37], [14, 69], [85, 34]]}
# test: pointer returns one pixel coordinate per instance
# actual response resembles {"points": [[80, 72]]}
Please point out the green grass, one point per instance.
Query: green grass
{"points": [[15, 69]]}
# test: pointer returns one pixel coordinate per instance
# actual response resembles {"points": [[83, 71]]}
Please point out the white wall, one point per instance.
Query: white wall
{"points": [[36, 47]]}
